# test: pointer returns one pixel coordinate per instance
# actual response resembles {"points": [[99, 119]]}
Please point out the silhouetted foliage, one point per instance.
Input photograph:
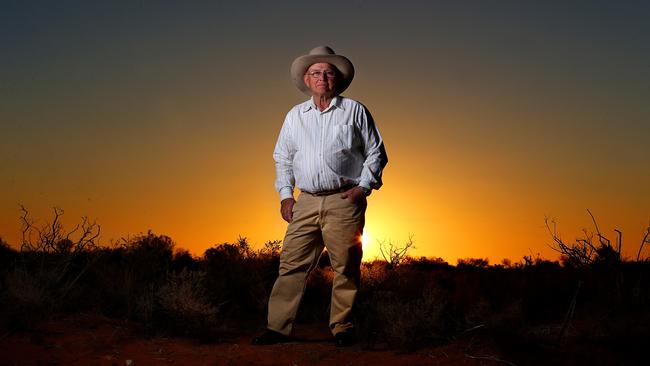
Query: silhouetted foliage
{"points": [[239, 277], [592, 247], [183, 260], [426, 264], [395, 253], [421, 301], [473, 263], [272, 248], [7, 255], [52, 237]]}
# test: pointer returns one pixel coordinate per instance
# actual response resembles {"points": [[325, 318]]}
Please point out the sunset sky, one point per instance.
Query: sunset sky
{"points": [[163, 115]]}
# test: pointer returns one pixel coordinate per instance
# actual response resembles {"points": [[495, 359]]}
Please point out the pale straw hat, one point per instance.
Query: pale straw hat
{"points": [[318, 55]]}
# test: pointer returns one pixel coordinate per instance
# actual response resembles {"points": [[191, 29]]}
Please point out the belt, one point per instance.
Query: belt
{"points": [[330, 192]]}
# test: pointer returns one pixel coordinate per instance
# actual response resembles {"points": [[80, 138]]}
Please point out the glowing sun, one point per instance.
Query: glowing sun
{"points": [[366, 238]]}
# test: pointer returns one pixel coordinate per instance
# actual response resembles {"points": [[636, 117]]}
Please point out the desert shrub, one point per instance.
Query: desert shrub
{"points": [[593, 248], [46, 276], [149, 254], [146, 262], [183, 260], [411, 323], [37, 285], [373, 274], [28, 291], [417, 302], [7, 255], [124, 278], [395, 253], [271, 248], [108, 290], [184, 303], [420, 302], [404, 323], [427, 264], [473, 263], [21, 307], [405, 306], [239, 278]]}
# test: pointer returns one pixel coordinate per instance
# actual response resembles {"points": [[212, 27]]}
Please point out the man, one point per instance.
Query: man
{"points": [[330, 148]]}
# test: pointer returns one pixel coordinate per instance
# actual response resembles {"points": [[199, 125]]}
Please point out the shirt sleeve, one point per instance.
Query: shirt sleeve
{"points": [[374, 151], [283, 156]]}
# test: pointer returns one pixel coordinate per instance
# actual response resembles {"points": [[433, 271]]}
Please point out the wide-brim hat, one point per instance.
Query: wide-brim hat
{"points": [[318, 55]]}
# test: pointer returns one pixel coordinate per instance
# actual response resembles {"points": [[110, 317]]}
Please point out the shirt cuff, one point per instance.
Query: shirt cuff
{"points": [[286, 192], [366, 187]]}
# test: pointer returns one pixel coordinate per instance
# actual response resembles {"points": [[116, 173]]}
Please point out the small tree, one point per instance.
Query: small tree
{"points": [[53, 238], [394, 253], [591, 248], [57, 251], [584, 252], [272, 248]]}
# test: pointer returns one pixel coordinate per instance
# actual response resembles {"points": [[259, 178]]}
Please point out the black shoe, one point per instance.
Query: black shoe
{"points": [[344, 339], [269, 337]]}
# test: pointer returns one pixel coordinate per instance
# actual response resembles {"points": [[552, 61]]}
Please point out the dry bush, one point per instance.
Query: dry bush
{"points": [[141, 264], [509, 316], [404, 307], [395, 253], [592, 248], [183, 299], [25, 300], [271, 248], [47, 274], [52, 237], [473, 262], [409, 323], [427, 264], [239, 277], [144, 308], [7, 255], [183, 260], [27, 291], [374, 273], [595, 257]]}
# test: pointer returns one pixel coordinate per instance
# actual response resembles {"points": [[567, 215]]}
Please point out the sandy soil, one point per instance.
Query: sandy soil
{"points": [[86, 340]]}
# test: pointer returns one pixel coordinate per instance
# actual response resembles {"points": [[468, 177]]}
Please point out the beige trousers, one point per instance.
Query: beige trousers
{"points": [[318, 221]]}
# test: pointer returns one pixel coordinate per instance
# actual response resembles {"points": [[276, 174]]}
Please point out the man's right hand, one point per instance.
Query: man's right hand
{"points": [[286, 209]]}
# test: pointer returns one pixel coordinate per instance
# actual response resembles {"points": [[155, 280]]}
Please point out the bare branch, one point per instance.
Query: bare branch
{"points": [[593, 219], [585, 251], [393, 253], [27, 224], [646, 239], [619, 241], [52, 238]]}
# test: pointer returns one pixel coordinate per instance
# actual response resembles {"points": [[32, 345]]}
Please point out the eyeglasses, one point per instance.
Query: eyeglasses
{"points": [[318, 74]]}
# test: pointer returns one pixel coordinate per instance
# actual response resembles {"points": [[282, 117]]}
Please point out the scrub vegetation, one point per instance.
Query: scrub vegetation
{"points": [[531, 311]]}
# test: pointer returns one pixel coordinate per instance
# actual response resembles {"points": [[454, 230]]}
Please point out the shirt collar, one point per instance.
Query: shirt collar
{"points": [[309, 104]]}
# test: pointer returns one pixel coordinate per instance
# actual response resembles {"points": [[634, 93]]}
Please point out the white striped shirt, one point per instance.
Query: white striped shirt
{"points": [[320, 151]]}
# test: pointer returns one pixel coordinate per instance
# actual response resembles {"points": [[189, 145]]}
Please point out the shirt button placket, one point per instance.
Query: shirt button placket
{"points": [[321, 173]]}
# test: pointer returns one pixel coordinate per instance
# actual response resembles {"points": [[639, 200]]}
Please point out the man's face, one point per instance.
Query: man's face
{"points": [[321, 79]]}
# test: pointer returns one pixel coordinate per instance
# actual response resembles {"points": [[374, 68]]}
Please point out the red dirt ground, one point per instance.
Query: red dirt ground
{"points": [[88, 340]]}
